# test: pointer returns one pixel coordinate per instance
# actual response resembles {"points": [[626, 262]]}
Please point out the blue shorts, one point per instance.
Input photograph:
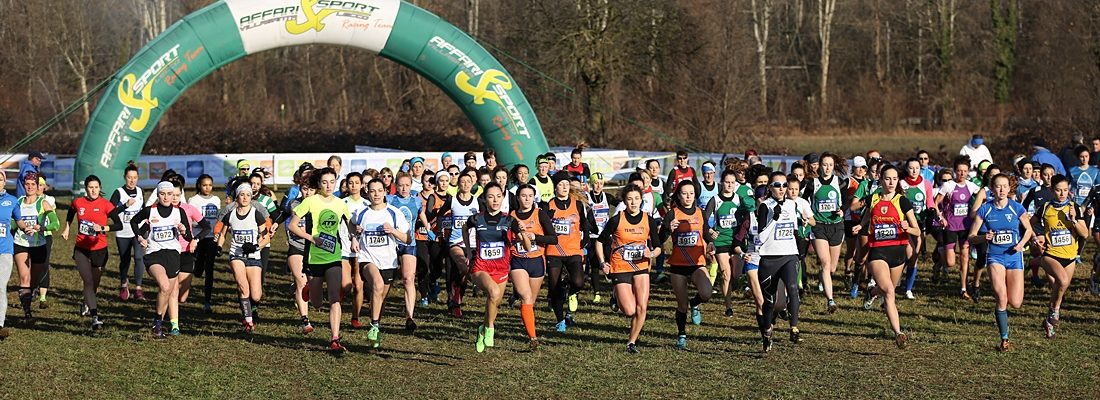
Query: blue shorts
{"points": [[751, 267], [1009, 261], [535, 267], [406, 250]]}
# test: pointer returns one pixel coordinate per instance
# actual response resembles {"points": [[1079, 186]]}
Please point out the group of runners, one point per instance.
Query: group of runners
{"points": [[706, 232]]}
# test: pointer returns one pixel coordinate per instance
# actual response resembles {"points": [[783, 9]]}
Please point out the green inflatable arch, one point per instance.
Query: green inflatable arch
{"points": [[230, 29]]}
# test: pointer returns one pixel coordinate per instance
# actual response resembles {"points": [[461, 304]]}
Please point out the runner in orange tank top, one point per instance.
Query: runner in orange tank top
{"points": [[632, 237], [686, 226]]}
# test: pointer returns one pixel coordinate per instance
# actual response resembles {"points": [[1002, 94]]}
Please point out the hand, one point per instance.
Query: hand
{"points": [[674, 224], [98, 228], [989, 236], [904, 225], [274, 228], [1072, 213], [431, 235], [312, 239], [746, 257], [839, 213], [249, 248], [1041, 242], [143, 242], [710, 248], [194, 244], [1019, 247], [386, 227], [713, 234], [606, 268], [1089, 211], [943, 221], [130, 202], [354, 246], [181, 228], [65, 234], [856, 229]]}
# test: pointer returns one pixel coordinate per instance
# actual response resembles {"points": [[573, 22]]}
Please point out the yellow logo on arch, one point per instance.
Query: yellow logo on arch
{"points": [[315, 19], [480, 91], [143, 105]]}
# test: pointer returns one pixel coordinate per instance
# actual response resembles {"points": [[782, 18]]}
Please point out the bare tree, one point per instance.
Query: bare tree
{"points": [[825, 11], [761, 15]]}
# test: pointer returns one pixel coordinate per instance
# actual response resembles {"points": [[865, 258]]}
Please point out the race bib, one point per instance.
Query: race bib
{"points": [[458, 223], [563, 226], [633, 252], [127, 216], [520, 250], [376, 239], [86, 228], [210, 212], [243, 235], [784, 231], [491, 250], [1061, 238], [164, 233], [423, 231], [687, 239], [961, 210], [826, 206], [1083, 191], [886, 232], [30, 220], [326, 242], [727, 221], [1002, 238], [3, 230], [918, 206]]}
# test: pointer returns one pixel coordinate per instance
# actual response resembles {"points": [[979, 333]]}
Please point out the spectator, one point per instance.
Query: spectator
{"points": [[926, 171], [30, 165], [1094, 151], [1042, 155], [976, 150], [1067, 155]]}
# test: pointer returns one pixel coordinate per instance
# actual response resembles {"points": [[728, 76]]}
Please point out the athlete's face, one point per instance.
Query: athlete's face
{"points": [[762, 180], [131, 179], [561, 189], [471, 163], [177, 193], [708, 177], [335, 165], [654, 168], [493, 198], [729, 184], [1083, 157], [914, 169], [465, 183], [445, 161], [31, 186], [308, 191], [544, 168], [778, 187], [444, 181], [484, 179], [575, 159], [687, 196], [387, 178], [792, 189], [491, 162], [244, 199], [860, 172], [961, 172], [417, 169], [206, 186], [376, 193], [799, 173], [597, 185], [355, 185], [1047, 175], [256, 183], [404, 186], [523, 175], [1001, 188], [526, 199], [1095, 145], [889, 180], [165, 197], [924, 159], [633, 202], [639, 184], [1061, 191], [328, 184], [92, 188], [428, 185], [682, 161], [827, 165], [1027, 171]]}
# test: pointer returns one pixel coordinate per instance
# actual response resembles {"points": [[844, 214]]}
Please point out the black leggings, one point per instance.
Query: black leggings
{"points": [[575, 266], [429, 264], [45, 281], [772, 270], [204, 265], [592, 264], [128, 247]]}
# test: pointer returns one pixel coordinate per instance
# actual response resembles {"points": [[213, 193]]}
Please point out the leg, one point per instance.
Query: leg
{"points": [[641, 298], [125, 249], [184, 279], [679, 288], [408, 276], [494, 292], [88, 276], [300, 281], [789, 274], [357, 278], [6, 262], [555, 293], [379, 290], [244, 290], [998, 279], [824, 257], [884, 277], [334, 280], [157, 272], [526, 288]]}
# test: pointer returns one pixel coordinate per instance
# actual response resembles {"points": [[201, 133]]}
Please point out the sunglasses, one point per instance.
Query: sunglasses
{"points": [[681, 158], [243, 169], [924, 158], [778, 184]]}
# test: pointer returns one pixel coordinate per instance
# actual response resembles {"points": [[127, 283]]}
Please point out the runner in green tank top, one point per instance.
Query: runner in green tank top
{"points": [[826, 200]]}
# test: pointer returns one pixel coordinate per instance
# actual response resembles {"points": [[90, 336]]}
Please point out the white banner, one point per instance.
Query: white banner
{"points": [[270, 24]]}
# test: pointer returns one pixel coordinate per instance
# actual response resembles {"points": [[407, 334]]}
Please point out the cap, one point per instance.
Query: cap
{"points": [[541, 159], [416, 159], [560, 176], [445, 155], [984, 164], [596, 176], [166, 186], [442, 173], [470, 156], [812, 158], [859, 162], [35, 154], [1039, 142], [708, 167], [306, 166], [243, 164]]}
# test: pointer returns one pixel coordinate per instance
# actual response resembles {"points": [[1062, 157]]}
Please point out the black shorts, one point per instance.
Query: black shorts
{"points": [[558, 262], [683, 270], [387, 274], [38, 255], [727, 249], [98, 258], [893, 255], [1064, 262], [248, 262], [291, 251], [535, 267], [951, 237], [833, 233], [318, 270], [169, 259], [187, 263], [626, 277]]}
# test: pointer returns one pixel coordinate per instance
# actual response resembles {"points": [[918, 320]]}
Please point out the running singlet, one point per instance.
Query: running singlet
{"points": [[601, 211], [777, 236], [32, 215], [680, 175], [567, 225], [706, 194], [129, 212], [884, 228], [492, 242], [857, 189], [457, 221], [354, 207], [1061, 240], [375, 245], [324, 224], [529, 224], [163, 232], [629, 244], [1005, 225], [688, 245], [9, 214], [1081, 182], [88, 214], [725, 218], [825, 199], [244, 229], [545, 188], [956, 205], [436, 202], [919, 193], [192, 216], [208, 206], [410, 210], [295, 241]]}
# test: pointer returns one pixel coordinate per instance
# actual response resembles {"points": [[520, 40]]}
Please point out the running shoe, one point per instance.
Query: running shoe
{"points": [[561, 326], [373, 336], [457, 311], [831, 307], [423, 302], [661, 277], [783, 315], [174, 332], [901, 340], [433, 292], [410, 325], [255, 315], [42, 304], [569, 319], [909, 295], [966, 296], [767, 343], [977, 294], [124, 293], [158, 334], [696, 315], [479, 345], [84, 312], [207, 308], [869, 298], [597, 298], [1048, 327], [490, 337], [632, 348], [533, 344], [820, 287], [573, 303], [336, 347], [96, 323], [682, 342], [1004, 346], [307, 328], [139, 294], [854, 292], [796, 335], [4, 333], [355, 324], [729, 312], [1094, 286]]}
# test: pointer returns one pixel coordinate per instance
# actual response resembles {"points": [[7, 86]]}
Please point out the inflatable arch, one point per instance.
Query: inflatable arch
{"points": [[230, 29]]}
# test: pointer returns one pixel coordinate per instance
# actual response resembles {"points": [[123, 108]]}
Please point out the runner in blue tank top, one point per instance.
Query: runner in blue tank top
{"points": [[410, 207]]}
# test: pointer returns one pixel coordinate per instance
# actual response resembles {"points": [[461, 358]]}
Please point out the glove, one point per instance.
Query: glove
{"points": [[249, 248], [431, 236], [218, 254]]}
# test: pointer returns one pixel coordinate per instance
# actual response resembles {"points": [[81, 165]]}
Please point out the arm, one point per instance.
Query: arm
{"points": [[113, 217], [549, 237], [654, 245], [68, 222], [265, 238], [1025, 220], [1080, 227], [973, 235]]}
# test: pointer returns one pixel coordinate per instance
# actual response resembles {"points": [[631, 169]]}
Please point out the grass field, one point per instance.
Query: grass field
{"points": [[846, 355]]}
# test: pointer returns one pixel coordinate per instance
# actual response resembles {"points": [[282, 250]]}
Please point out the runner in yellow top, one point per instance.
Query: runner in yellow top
{"points": [[323, 212], [1062, 224]]}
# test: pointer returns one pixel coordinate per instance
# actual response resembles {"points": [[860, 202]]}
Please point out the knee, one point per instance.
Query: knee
{"points": [[1016, 303], [631, 312], [706, 294]]}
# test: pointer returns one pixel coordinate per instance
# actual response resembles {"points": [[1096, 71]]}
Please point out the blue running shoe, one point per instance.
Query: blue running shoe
{"points": [[560, 326], [682, 342], [696, 315]]}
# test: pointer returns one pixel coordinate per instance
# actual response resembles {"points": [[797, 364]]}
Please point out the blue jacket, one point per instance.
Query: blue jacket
{"points": [[9, 214], [24, 168], [1044, 156]]}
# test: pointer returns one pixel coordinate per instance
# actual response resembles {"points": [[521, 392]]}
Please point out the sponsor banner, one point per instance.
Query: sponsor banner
{"points": [[265, 25]]}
